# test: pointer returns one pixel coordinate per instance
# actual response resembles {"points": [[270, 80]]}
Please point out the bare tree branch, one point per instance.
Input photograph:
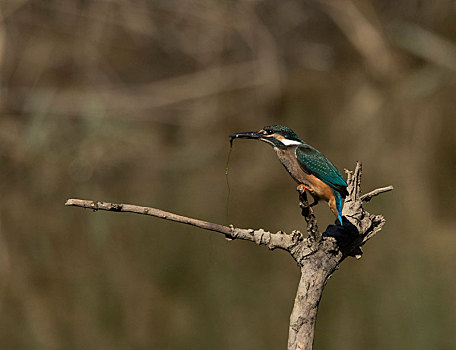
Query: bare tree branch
{"points": [[368, 196], [279, 240], [335, 244], [318, 255]]}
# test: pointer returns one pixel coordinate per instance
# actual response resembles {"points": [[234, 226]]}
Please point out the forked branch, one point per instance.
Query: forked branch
{"points": [[318, 255]]}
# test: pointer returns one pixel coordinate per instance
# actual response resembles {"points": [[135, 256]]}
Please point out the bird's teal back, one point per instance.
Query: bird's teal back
{"points": [[313, 162]]}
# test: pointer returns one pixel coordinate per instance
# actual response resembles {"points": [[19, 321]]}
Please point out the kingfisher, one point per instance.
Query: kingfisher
{"points": [[307, 166]]}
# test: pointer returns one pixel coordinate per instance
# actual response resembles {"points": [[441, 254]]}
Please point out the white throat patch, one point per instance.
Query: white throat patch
{"points": [[287, 142]]}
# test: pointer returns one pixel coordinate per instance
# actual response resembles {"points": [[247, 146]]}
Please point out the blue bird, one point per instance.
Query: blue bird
{"points": [[306, 165]]}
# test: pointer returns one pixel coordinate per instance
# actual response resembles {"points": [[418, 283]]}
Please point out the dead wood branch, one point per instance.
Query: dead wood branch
{"points": [[368, 196], [261, 237], [318, 255]]}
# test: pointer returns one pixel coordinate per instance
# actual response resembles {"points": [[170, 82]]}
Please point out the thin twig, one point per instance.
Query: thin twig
{"points": [[368, 196]]}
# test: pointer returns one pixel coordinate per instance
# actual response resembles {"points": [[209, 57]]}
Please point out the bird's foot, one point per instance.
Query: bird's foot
{"points": [[303, 188]]}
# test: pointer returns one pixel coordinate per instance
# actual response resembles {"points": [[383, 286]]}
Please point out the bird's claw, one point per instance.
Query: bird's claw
{"points": [[303, 188]]}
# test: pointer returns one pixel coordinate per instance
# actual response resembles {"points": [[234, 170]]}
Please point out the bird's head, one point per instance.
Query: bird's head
{"points": [[276, 135]]}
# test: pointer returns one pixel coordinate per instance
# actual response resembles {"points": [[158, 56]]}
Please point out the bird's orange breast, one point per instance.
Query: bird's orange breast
{"points": [[320, 189]]}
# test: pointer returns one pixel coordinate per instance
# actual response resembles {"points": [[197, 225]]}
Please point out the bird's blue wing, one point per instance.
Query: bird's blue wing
{"points": [[313, 162]]}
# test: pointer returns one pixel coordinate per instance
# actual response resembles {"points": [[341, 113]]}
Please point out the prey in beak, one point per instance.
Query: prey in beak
{"points": [[246, 135]]}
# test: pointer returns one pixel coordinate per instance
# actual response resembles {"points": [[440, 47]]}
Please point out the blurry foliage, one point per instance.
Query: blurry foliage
{"points": [[132, 101]]}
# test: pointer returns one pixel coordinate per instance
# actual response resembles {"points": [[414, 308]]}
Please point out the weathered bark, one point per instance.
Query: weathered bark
{"points": [[315, 271], [328, 251], [317, 255]]}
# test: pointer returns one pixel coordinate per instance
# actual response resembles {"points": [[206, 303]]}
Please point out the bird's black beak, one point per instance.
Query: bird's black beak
{"points": [[246, 135]]}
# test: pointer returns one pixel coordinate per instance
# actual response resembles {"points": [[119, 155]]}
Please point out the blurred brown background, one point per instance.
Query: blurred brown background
{"points": [[132, 101]]}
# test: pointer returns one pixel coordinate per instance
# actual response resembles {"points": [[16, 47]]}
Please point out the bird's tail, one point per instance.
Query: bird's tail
{"points": [[339, 205]]}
